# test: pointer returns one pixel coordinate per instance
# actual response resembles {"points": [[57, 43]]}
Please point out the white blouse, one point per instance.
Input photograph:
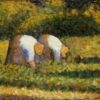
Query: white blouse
{"points": [[27, 44], [55, 45]]}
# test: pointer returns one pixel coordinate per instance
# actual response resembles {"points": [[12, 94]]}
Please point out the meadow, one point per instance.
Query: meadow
{"points": [[79, 79], [76, 77]]}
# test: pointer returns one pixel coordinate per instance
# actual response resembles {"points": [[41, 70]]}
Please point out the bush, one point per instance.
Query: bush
{"points": [[18, 17], [70, 26], [80, 4], [26, 18]]}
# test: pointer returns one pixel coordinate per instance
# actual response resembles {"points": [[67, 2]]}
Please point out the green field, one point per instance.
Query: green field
{"points": [[72, 80], [76, 77]]}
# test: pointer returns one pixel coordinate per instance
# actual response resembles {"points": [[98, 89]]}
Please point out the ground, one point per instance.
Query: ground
{"points": [[78, 78]]}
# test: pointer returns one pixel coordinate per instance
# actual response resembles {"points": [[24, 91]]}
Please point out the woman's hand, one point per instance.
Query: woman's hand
{"points": [[32, 64]]}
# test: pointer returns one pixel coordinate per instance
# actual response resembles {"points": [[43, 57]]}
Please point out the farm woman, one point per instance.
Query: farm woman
{"points": [[29, 46], [57, 47]]}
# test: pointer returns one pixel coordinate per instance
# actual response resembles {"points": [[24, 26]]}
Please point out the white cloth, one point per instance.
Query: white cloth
{"points": [[27, 44], [55, 45]]}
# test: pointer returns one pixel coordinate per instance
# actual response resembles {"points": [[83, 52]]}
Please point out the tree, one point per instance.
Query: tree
{"points": [[80, 5]]}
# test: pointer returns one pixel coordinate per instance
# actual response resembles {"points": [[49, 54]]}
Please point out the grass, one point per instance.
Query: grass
{"points": [[72, 80], [77, 77], [50, 95]]}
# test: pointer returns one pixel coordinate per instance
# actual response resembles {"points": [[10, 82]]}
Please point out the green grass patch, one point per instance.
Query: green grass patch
{"points": [[82, 76]]}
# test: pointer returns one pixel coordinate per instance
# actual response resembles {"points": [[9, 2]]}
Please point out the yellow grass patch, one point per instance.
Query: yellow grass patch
{"points": [[47, 94]]}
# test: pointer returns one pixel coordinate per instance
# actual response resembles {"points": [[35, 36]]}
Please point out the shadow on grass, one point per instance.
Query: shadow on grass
{"points": [[52, 87], [78, 74], [18, 97], [73, 84], [88, 60]]}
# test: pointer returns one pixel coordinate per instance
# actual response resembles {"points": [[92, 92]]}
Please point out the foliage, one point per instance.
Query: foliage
{"points": [[70, 26], [12, 15], [26, 18], [94, 13], [18, 17], [80, 4]]}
